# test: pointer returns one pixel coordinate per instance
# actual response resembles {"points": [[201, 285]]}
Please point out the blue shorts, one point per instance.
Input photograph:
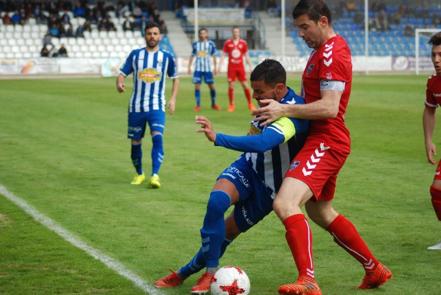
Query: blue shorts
{"points": [[206, 76], [138, 122], [255, 198]]}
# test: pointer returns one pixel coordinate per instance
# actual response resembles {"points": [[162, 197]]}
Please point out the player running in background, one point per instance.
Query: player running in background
{"points": [[236, 49], [312, 178], [251, 182], [433, 100], [149, 66], [202, 52]]}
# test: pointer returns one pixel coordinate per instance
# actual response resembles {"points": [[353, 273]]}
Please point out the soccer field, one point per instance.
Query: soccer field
{"points": [[63, 148]]}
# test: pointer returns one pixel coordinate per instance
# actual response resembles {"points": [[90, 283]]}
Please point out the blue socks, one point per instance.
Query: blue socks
{"points": [[198, 262], [197, 96], [213, 229], [136, 156], [157, 153], [213, 96]]}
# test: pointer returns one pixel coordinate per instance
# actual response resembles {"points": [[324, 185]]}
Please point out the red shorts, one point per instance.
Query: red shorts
{"points": [[438, 172], [236, 72], [317, 165]]}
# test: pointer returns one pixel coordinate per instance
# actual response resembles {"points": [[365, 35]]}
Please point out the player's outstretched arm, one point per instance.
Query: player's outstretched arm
{"points": [[190, 63], [429, 126], [206, 127], [120, 85]]}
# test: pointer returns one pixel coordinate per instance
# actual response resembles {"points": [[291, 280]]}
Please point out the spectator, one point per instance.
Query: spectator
{"points": [[128, 24], [62, 51], [408, 31], [6, 19], [47, 40], [381, 21], [44, 52]]}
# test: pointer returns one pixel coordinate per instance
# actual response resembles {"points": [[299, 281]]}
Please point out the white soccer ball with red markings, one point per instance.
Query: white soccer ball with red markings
{"points": [[230, 280]]}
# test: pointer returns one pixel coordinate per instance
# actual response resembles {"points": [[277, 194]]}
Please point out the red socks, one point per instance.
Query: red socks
{"points": [[346, 235], [299, 238], [248, 95], [436, 201], [231, 95]]}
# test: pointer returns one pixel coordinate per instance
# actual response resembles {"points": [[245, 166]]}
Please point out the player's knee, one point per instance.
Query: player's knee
{"points": [[218, 203], [279, 208], [435, 192]]}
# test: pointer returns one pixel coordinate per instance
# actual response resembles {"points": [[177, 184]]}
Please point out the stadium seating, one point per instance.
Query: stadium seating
{"points": [[392, 42]]}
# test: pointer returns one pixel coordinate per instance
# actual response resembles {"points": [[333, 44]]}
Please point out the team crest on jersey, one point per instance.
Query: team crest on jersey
{"points": [[294, 165], [309, 69], [149, 75], [329, 76], [202, 53], [235, 53]]}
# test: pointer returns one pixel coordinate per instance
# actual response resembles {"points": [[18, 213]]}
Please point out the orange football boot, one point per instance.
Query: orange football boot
{"points": [[376, 277], [303, 286]]}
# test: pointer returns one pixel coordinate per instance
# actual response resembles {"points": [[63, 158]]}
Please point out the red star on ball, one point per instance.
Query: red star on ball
{"points": [[233, 289]]}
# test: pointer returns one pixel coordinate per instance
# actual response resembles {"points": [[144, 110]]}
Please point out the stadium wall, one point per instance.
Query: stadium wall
{"points": [[108, 67]]}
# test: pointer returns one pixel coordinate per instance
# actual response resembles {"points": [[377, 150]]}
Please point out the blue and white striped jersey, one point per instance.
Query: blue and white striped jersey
{"points": [[149, 69], [203, 51], [272, 165]]}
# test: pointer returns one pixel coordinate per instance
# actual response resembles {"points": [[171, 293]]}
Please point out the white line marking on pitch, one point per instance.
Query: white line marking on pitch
{"points": [[110, 262]]}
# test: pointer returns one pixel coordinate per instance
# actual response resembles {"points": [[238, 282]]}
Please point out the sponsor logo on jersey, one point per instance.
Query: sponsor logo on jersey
{"points": [[294, 165], [235, 53], [437, 95], [202, 53], [149, 75]]}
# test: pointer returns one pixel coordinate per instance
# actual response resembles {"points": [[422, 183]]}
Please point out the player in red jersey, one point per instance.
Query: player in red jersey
{"points": [[433, 100], [311, 179], [236, 49]]}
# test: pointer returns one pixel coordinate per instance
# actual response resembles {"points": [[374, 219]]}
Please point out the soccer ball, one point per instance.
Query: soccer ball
{"points": [[230, 280]]}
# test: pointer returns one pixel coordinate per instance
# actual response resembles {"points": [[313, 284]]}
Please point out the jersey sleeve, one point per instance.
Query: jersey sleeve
{"points": [[335, 63], [285, 127], [430, 100], [127, 67], [260, 143], [171, 69], [213, 48]]}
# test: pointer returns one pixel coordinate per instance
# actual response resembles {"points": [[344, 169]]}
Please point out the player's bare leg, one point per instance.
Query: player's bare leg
{"points": [[197, 96], [435, 192], [247, 92], [346, 236], [231, 105], [214, 106], [287, 205], [136, 156]]}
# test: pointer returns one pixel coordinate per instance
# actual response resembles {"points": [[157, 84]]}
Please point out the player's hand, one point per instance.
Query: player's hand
{"points": [[171, 106], [431, 153], [206, 127], [271, 111], [120, 86]]}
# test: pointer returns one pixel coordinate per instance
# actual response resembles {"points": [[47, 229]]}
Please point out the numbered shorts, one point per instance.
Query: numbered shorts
{"points": [[317, 165], [438, 172], [255, 198], [138, 121], [199, 76], [236, 73]]}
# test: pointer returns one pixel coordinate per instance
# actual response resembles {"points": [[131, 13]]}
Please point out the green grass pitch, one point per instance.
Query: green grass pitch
{"points": [[63, 148]]}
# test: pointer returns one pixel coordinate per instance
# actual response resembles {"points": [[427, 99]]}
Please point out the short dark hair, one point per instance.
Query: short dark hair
{"points": [[202, 29], [269, 71], [235, 27], [313, 8], [435, 40], [150, 25]]}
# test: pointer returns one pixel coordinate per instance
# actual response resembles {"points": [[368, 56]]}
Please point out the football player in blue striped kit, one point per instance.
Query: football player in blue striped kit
{"points": [[251, 182], [202, 52], [149, 66]]}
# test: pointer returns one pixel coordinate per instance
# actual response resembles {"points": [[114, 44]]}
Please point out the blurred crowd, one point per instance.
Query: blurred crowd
{"points": [[93, 14]]}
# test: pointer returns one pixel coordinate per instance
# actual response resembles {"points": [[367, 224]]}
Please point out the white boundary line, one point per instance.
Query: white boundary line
{"points": [[108, 261]]}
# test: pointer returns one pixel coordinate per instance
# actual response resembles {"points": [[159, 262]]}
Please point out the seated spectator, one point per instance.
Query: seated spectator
{"points": [[67, 30], [6, 19], [408, 31], [16, 18], [62, 51], [127, 24], [79, 33], [381, 21], [351, 6], [44, 51]]}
